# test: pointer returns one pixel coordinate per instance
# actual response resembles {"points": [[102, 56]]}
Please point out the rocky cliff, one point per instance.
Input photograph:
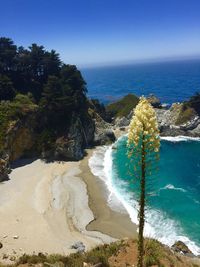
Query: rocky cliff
{"points": [[179, 119], [24, 137]]}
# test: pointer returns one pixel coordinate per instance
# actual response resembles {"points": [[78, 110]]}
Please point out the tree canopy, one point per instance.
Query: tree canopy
{"points": [[31, 70]]}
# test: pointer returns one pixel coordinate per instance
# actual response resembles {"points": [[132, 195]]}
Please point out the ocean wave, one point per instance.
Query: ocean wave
{"points": [[179, 138], [172, 187], [101, 165], [157, 225]]}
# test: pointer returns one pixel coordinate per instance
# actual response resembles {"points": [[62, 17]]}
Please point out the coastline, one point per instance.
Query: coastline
{"points": [[47, 207], [108, 221], [188, 241]]}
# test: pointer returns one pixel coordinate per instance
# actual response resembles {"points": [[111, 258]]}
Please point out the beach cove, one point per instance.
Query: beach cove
{"points": [[47, 207]]}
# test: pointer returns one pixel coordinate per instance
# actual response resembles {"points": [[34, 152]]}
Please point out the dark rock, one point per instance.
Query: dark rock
{"points": [[4, 166], [79, 246], [71, 146], [180, 247], [1, 245], [154, 101], [104, 137]]}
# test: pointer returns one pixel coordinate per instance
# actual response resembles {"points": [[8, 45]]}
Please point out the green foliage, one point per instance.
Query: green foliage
{"points": [[124, 106], [45, 140], [186, 114], [96, 255], [14, 111], [35, 79], [153, 253], [189, 109], [194, 102], [7, 90], [7, 54]]}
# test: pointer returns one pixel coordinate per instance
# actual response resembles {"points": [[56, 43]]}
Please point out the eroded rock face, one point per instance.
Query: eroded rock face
{"points": [[168, 119], [20, 137], [104, 134], [4, 166], [80, 135]]}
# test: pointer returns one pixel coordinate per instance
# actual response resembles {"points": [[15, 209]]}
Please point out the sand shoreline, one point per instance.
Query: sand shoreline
{"points": [[108, 221], [47, 207]]}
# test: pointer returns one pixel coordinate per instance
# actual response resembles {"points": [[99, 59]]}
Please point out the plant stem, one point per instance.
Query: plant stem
{"points": [[141, 211]]}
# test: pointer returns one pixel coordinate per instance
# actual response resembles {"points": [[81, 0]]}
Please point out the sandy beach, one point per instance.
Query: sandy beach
{"points": [[47, 207]]}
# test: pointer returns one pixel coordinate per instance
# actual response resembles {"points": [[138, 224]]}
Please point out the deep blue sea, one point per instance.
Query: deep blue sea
{"points": [[173, 208], [170, 81]]}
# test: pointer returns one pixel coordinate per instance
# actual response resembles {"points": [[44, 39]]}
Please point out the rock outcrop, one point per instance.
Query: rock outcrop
{"points": [[181, 247], [80, 135], [4, 166], [21, 140], [103, 134], [172, 121], [20, 137], [169, 122], [154, 101]]}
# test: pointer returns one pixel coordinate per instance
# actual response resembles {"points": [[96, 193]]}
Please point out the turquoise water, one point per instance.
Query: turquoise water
{"points": [[174, 202], [170, 81]]}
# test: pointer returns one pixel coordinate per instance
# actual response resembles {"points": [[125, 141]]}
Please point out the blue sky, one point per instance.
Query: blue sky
{"points": [[105, 31]]}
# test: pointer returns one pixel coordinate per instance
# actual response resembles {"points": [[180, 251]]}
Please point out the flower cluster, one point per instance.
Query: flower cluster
{"points": [[144, 127]]}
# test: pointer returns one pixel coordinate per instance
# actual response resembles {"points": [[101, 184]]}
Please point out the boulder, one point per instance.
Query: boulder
{"points": [[180, 247], [154, 101], [79, 246], [1, 245]]}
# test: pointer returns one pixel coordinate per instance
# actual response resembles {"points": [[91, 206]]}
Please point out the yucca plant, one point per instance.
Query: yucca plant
{"points": [[143, 147]]}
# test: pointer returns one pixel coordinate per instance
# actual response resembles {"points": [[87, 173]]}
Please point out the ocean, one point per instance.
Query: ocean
{"points": [[170, 81], [173, 206], [173, 202]]}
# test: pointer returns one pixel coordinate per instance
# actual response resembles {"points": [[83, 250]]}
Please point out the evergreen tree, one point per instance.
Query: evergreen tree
{"points": [[7, 91], [7, 55]]}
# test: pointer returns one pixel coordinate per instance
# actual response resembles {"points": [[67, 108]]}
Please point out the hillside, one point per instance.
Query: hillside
{"points": [[118, 254], [123, 106]]}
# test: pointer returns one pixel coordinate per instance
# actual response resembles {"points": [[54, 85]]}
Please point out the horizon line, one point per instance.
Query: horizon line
{"points": [[139, 61]]}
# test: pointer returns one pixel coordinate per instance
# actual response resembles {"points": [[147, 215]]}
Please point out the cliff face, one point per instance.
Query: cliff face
{"points": [[22, 135], [80, 135]]}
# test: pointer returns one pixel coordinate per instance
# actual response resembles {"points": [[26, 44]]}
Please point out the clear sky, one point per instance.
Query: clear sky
{"points": [[105, 31]]}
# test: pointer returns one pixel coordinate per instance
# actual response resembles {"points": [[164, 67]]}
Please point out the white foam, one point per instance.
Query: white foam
{"points": [[179, 138], [172, 187], [157, 225], [101, 165]]}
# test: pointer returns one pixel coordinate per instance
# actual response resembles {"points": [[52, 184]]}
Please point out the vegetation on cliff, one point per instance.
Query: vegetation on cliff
{"points": [[187, 110], [117, 254], [123, 107], [38, 90]]}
